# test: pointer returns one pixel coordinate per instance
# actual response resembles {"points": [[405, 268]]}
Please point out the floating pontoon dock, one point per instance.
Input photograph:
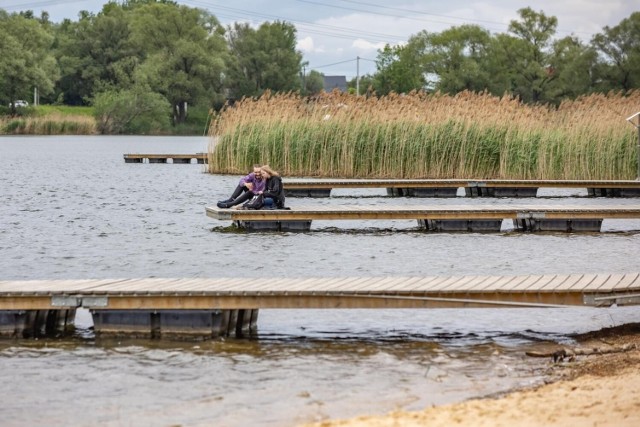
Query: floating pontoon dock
{"points": [[227, 306], [163, 158], [449, 187], [434, 218]]}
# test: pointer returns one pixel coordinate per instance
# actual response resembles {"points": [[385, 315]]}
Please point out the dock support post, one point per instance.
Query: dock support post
{"points": [[243, 326], [233, 322], [253, 324]]}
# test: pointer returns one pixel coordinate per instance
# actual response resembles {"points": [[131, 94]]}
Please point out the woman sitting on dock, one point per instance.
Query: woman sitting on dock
{"points": [[247, 188], [274, 191]]}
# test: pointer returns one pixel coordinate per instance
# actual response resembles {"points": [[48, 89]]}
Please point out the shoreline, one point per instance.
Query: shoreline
{"points": [[594, 390]]}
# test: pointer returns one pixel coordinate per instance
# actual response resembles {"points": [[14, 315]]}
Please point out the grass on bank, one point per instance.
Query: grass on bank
{"points": [[50, 124], [421, 135], [80, 120]]}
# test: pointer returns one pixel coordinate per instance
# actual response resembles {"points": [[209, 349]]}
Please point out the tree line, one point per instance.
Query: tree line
{"points": [[142, 60]]}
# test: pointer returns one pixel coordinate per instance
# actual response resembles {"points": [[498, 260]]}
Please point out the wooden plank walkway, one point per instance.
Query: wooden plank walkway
{"points": [[449, 187], [200, 158], [426, 212], [336, 292], [457, 183]]}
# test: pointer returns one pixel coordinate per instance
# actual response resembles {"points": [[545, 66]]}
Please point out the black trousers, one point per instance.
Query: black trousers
{"points": [[247, 195], [239, 189]]}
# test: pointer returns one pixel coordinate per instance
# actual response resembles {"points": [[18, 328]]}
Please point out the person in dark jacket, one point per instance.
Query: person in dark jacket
{"points": [[274, 191]]}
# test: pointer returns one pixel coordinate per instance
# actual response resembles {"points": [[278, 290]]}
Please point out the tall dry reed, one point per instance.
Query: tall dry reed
{"points": [[421, 135]]}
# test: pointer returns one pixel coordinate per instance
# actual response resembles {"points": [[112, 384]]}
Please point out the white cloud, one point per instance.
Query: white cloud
{"points": [[305, 45], [365, 45]]}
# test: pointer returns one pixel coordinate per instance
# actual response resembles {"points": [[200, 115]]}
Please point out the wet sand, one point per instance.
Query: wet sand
{"points": [[596, 390]]}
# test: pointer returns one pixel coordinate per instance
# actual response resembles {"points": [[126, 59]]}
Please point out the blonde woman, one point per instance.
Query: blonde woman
{"points": [[274, 191]]}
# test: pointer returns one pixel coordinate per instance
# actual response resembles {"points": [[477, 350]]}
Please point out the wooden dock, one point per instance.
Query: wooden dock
{"points": [[472, 188], [323, 292], [200, 158], [229, 306], [435, 218]]}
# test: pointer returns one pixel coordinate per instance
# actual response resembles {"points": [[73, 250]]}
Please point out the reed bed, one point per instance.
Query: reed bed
{"points": [[419, 135], [52, 124]]}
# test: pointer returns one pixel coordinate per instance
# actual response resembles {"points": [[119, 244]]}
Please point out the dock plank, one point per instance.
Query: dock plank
{"points": [[626, 281], [386, 212], [321, 292], [328, 183]]}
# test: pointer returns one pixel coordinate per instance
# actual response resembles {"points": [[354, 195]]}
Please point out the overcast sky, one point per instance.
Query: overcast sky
{"points": [[333, 33]]}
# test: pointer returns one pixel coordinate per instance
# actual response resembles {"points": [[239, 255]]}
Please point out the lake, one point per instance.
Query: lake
{"points": [[72, 209]]}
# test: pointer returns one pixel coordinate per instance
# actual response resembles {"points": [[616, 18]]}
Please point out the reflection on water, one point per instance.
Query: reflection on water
{"points": [[73, 209]]}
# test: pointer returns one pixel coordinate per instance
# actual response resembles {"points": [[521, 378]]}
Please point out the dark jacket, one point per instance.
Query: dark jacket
{"points": [[275, 190]]}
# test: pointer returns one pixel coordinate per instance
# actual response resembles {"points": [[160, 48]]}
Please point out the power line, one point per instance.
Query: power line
{"points": [[423, 13], [379, 13], [503, 25], [335, 63], [39, 4], [315, 28]]}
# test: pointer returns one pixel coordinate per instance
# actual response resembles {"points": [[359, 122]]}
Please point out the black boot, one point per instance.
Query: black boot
{"points": [[246, 196], [239, 189]]}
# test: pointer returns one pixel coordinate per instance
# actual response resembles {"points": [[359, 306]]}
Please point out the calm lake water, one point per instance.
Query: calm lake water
{"points": [[72, 209]]}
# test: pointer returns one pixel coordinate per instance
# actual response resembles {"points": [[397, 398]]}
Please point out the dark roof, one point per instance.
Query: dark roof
{"points": [[333, 82]]}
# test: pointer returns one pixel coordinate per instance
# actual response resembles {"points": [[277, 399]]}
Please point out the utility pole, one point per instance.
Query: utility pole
{"points": [[637, 126], [357, 76]]}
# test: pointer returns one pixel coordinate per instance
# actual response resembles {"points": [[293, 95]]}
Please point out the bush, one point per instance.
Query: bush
{"points": [[136, 111]]}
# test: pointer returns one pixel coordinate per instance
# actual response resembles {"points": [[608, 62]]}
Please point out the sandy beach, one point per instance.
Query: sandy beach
{"points": [[593, 390]]}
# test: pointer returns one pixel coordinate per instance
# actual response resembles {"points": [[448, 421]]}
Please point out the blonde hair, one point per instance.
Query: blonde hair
{"points": [[270, 171]]}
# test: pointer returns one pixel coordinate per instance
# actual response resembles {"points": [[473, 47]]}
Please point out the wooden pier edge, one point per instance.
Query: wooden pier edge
{"points": [[200, 158], [221, 307], [434, 218]]}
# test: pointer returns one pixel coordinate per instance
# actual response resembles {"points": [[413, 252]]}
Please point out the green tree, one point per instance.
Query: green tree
{"points": [[313, 82], [366, 85], [398, 70], [619, 48], [524, 60], [131, 111], [263, 59], [186, 54], [95, 54], [26, 61], [572, 64], [455, 58]]}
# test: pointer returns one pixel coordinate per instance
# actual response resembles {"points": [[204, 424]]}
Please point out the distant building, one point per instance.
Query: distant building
{"points": [[335, 82]]}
